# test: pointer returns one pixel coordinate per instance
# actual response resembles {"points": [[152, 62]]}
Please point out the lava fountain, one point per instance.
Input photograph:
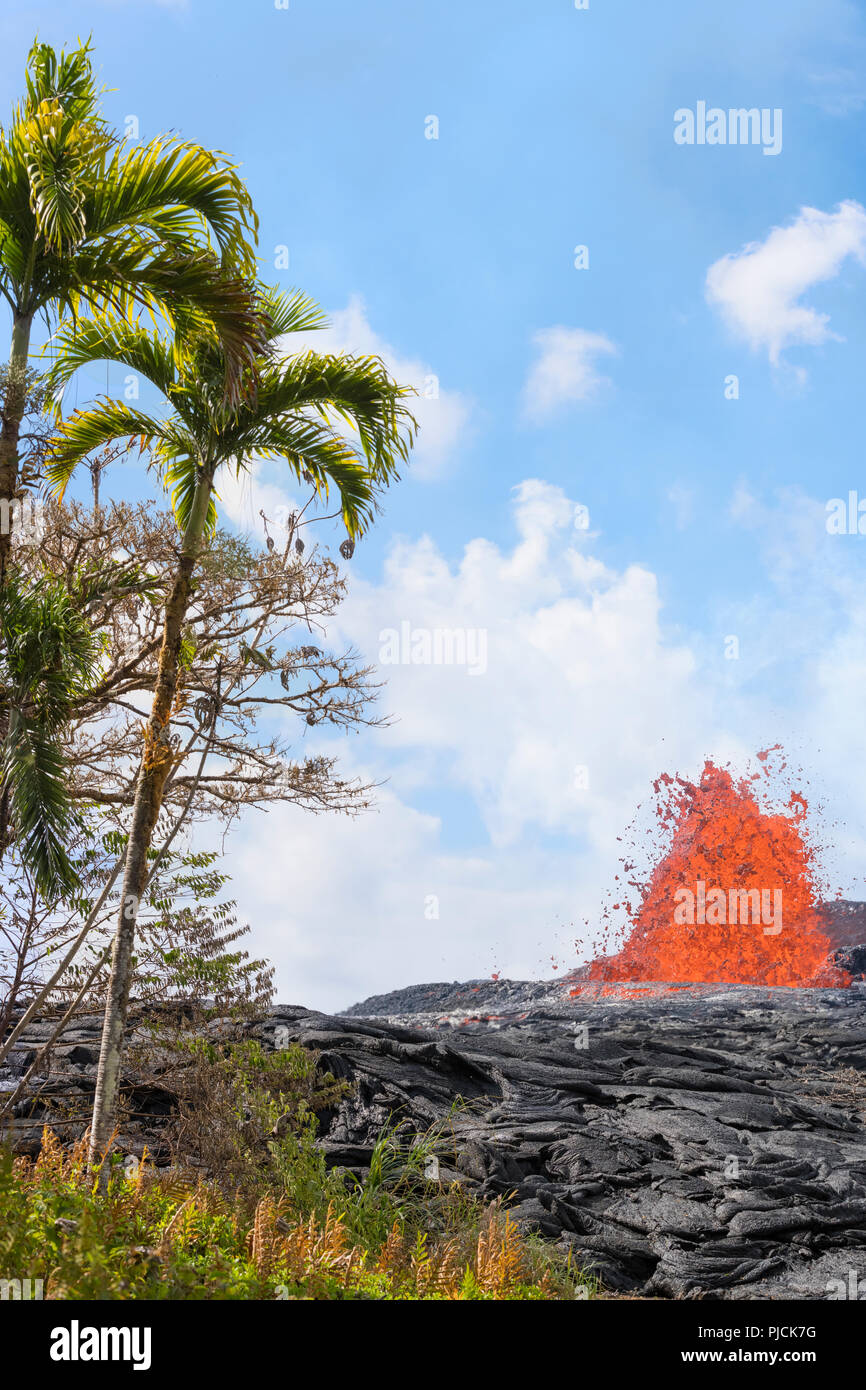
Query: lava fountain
{"points": [[734, 899]]}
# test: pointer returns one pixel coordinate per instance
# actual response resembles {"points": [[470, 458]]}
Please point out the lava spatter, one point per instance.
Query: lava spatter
{"points": [[734, 899]]}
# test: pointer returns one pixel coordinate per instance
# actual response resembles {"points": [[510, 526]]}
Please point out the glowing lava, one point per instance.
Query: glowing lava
{"points": [[734, 899]]}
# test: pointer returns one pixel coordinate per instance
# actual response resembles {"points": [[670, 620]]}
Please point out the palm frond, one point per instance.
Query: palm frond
{"points": [[103, 423], [89, 223], [67, 79], [49, 656], [58, 152], [357, 392], [190, 290], [33, 773], [309, 447], [291, 312], [81, 342], [168, 186], [341, 421]]}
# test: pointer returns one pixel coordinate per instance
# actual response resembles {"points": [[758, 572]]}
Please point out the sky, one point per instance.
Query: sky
{"points": [[641, 366]]}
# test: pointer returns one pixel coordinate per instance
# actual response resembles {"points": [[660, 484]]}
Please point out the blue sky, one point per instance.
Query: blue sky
{"points": [[455, 257]]}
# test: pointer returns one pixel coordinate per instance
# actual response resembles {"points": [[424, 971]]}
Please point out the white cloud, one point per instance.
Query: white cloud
{"points": [[580, 673], [758, 290], [242, 496], [564, 637], [344, 908], [565, 370], [444, 416], [579, 676]]}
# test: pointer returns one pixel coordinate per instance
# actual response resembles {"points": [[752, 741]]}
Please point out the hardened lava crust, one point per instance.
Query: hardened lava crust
{"points": [[685, 1141]]}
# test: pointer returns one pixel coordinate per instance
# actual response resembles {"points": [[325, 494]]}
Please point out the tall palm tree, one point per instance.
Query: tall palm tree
{"points": [[297, 408], [89, 222]]}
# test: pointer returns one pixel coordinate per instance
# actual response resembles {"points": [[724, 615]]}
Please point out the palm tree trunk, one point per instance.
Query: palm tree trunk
{"points": [[10, 430], [154, 769]]}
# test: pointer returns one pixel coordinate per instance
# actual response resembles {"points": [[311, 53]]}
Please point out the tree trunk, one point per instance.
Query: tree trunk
{"points": [[155, 766], [10, 429]]}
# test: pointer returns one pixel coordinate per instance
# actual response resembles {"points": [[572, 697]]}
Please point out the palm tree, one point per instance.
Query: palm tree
{"points": [[89, 222], [291, 407]]}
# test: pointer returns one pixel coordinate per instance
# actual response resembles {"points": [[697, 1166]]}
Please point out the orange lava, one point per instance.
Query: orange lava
{"points": [[694, 923]]}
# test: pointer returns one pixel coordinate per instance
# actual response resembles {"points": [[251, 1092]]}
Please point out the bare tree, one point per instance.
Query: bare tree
{"points": [[254, 656]]}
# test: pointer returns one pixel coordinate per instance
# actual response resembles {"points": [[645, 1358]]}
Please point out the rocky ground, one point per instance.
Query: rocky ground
{"points": [[685, 1141]]}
